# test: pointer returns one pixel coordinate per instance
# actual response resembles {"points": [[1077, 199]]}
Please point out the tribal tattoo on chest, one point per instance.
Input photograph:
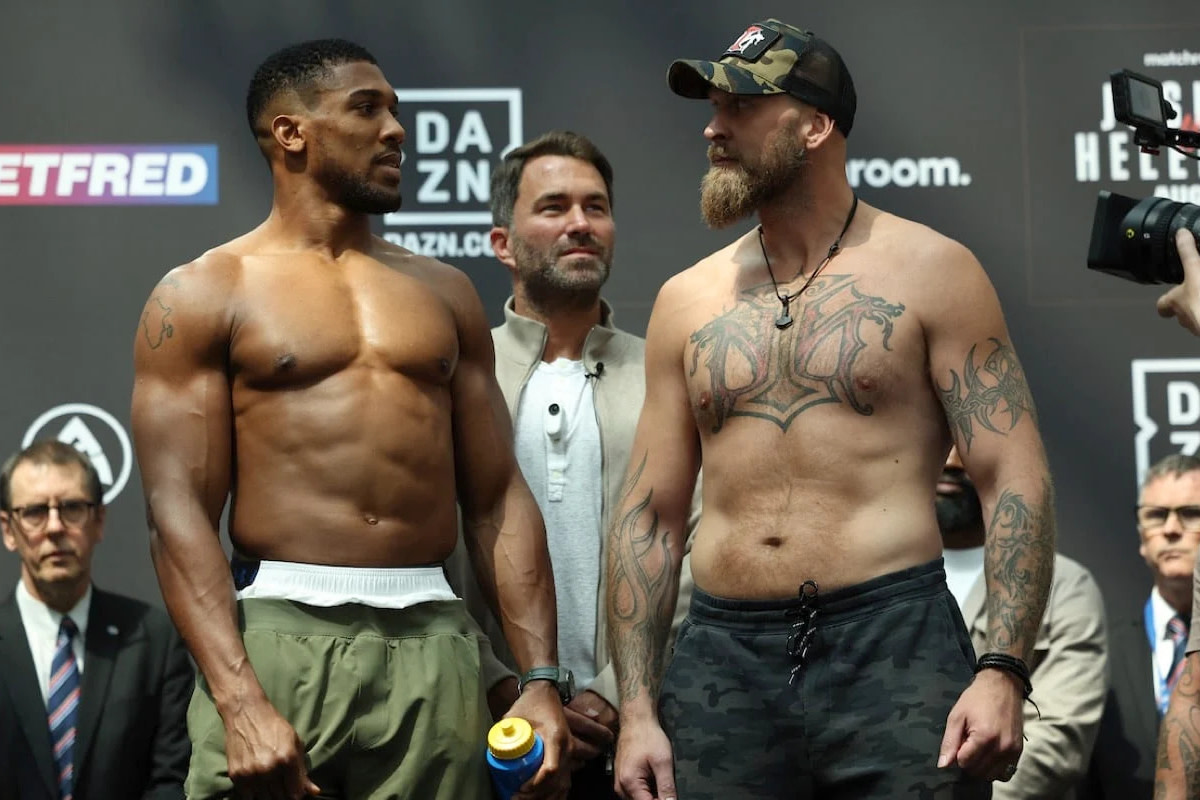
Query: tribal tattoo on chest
{"points": [[758, 370]]}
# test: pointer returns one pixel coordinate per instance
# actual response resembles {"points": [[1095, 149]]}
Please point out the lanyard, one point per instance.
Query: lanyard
{"points": [[1164, 696]]}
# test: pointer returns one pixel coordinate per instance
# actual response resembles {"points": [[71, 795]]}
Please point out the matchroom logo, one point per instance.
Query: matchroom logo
{"points": [[75, 175], [456, 138]]}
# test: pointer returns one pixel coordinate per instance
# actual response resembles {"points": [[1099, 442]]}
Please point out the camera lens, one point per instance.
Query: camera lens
{"points": [[1149, 234]]}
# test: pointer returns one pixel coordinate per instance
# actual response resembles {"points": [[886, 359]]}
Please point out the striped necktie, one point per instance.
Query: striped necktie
{"points": [[63, 707], [1177, 632]]}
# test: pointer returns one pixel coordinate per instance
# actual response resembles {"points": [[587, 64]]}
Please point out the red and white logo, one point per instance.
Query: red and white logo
{"points": [[752, 36]]}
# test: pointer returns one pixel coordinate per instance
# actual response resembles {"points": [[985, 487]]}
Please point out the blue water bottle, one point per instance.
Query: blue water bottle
{"points": [[514, 755]]}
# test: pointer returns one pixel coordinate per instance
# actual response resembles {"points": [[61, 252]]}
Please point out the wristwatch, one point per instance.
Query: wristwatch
{"points": [[561, 677]]}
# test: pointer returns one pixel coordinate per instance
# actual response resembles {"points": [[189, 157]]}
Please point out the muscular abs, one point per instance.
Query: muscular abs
{"points": [[339, 383]]}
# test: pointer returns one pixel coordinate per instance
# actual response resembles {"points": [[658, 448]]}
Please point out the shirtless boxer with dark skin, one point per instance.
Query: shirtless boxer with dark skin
{"points": [[340, 391]]}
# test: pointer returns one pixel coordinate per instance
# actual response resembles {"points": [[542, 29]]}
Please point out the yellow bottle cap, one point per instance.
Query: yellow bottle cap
{"points": [[511, 737]]}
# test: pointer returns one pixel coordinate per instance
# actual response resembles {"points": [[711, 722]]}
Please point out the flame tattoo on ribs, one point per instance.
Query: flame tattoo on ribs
{"points": [[784, 376]]}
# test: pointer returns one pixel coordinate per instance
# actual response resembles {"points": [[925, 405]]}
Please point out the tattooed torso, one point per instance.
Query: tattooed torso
{"points": [[822, 441], [742, 365]]}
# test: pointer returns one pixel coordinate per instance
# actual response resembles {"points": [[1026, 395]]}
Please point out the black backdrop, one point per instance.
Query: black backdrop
{"points": [[983, 120]]}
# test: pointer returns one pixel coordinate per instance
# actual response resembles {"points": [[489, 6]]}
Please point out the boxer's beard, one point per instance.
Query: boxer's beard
{"points": [[730, 193]]}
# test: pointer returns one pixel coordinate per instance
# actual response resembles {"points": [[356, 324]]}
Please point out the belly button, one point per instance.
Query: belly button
{"points": [[371, 520], [773, 541]]}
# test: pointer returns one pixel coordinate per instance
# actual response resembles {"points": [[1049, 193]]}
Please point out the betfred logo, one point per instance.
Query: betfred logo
{"points": [[75, 175]]}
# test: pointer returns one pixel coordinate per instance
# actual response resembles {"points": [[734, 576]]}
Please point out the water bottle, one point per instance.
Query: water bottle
{"points": [[514, 755]]}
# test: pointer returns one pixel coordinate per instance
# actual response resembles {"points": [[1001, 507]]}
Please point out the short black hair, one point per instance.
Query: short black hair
{"points": [[46, 452], [507, 177], [297, 68]]}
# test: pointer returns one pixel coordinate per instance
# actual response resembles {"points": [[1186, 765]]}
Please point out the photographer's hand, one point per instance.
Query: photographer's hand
{"points": [[1183, 302]]}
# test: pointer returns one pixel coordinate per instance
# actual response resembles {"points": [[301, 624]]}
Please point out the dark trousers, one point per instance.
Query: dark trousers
{"points": [[834, 695]]}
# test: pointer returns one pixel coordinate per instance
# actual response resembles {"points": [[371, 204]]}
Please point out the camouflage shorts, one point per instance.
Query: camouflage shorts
{"points": [[843, 694]]}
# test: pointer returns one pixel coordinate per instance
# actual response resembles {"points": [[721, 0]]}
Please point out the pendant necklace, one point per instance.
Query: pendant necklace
{"points": [[784, 320]]}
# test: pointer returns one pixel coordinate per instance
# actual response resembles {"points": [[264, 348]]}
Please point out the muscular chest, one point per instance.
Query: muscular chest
{"points": [[301, 325], [848, 347]]}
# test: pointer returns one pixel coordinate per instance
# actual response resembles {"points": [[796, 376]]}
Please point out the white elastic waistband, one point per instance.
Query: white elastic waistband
{"points": [[320, 585]]}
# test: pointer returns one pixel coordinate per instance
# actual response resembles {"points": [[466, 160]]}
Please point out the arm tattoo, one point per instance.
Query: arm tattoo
{"points": [[155, 324], [641, 595], [1019, 559], [757, 370], [1178, 760], [994, 395]]}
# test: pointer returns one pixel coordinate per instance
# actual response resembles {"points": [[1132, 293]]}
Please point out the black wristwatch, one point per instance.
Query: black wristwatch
{"points": [[561, 677]]}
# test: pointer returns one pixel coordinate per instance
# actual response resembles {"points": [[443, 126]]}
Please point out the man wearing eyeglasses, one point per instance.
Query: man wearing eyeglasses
{"points": [[1146, 646], [96, 685]]}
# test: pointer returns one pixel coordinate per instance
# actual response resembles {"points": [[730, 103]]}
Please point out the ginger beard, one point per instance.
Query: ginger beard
{"points": [[730, 193]]}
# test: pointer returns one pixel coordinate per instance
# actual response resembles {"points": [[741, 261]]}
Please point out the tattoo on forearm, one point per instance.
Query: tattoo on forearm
{"points": [[1019, 558], [155, 324], [757, 370], [641, 595], [994, 395], [1180, 737]]}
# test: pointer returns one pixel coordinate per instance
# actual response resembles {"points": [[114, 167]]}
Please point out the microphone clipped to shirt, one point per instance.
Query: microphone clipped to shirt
{"points": [[599, 370]]}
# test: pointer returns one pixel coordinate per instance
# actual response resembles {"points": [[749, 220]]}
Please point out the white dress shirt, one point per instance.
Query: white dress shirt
{"points": [[1164, 650], [41, 629]]}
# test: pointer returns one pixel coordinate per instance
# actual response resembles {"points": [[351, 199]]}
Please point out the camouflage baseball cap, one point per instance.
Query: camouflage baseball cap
{"points": [[772, 57]]}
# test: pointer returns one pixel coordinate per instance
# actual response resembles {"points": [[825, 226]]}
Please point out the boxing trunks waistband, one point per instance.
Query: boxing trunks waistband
{"points": [[327, 586]]}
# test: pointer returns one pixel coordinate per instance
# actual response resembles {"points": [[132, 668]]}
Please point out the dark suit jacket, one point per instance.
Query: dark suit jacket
{"points": [[1123, 759], [131, 739]]}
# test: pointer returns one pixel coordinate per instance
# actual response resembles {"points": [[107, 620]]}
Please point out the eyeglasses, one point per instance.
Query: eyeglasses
{"points": [[71, 513], [1154, 517]]}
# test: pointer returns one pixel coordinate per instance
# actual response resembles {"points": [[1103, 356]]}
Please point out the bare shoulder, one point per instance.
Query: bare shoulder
{"points": [[213, 275], [447, 282], [438, 274], [193, 305], [920, 246], [712, 274], [936, 269]]}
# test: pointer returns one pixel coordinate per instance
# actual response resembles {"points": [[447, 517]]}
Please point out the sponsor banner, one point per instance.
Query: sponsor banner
{"points": [[94, 432], [455, 139], [906, 172], [1074, 147], [1166, 409], [74, 175]]}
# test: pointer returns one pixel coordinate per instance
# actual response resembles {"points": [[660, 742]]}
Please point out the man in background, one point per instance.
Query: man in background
{"points": [[94, 686], [574, 384], [1070, 655], [1147, 644]]}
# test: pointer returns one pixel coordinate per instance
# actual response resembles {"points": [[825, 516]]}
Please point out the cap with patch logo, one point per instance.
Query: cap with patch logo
{"points": [[772, 57]]}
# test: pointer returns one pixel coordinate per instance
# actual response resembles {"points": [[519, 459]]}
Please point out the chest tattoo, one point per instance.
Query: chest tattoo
{"points": [[757, 370]]}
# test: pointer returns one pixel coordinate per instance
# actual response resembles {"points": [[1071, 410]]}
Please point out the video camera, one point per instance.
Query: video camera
{"points": [[1135, 239]]}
